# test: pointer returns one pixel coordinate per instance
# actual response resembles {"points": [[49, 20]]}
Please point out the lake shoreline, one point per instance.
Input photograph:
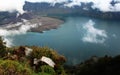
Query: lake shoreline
{"points": [[36, 24], [47, 23]]}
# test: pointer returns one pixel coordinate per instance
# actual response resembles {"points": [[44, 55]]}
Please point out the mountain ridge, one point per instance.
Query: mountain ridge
{"points": [[58, 9]]}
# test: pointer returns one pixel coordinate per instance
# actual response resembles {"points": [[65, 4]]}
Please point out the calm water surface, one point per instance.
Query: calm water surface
{"points": [[78, 38]]}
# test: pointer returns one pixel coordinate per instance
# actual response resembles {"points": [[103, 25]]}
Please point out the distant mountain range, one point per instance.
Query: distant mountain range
{"points": [[46, 9], [59, 9]]}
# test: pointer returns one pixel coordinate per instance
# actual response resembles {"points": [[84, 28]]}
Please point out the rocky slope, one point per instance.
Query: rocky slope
{"points": [[85, 9], [34, 24]]}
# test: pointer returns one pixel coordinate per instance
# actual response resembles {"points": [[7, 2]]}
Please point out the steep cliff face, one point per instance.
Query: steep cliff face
{"points": [[60, 9], [7, 18]]}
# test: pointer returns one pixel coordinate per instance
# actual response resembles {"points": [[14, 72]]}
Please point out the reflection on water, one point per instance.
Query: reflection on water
{"points": [[78, 38]]}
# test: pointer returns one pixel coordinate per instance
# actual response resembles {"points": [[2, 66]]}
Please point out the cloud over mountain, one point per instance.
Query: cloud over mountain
{"points": [[14, 5], [102, 5]]}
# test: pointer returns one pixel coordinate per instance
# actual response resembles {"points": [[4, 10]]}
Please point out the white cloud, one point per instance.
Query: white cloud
{"points": [[93, 35], [117, 7], [14, 5], [48, 1], [73, 3], [6, 34], [103, 5]]}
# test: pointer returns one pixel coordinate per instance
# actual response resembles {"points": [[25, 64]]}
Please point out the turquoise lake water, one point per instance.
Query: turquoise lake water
{"points": [[78, 38]]}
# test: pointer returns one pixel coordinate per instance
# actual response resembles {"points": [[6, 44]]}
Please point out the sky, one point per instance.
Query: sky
{"points": [[102, 5]]}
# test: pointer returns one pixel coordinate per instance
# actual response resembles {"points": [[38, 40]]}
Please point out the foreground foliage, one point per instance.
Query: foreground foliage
{"points": [[10, 67], [97, 66], [14, 61]]}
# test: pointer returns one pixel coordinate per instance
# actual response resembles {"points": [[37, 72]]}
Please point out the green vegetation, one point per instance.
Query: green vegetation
{"points": [[97, 66], [2, 48], [14, 61], [8, 67], [47, 69]]}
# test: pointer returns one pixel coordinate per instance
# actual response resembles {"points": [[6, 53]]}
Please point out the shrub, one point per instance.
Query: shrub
{"points": [[59, 60], [48, 69], [38, 52], [8, 67], [2, 48]]}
